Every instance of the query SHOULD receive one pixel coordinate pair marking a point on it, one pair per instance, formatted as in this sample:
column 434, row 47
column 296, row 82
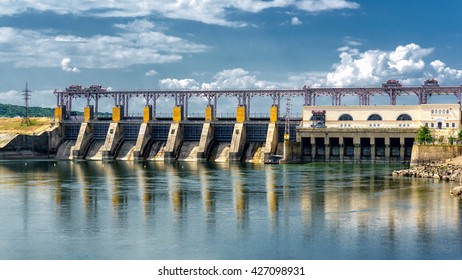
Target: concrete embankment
column 40, row 145
column 422, row 154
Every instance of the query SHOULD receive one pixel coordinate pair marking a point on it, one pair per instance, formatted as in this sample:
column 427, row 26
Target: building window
column 374, row 117
column 404, row 117
column 345, row 117
column 426, row 124
column 432, row 125
column 433, row 112
column 447, row 111
column 453, row 124
column 447, row 124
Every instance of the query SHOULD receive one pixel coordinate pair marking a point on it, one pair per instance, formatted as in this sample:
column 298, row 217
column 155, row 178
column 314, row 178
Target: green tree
column 424, row 135
column 459, row 136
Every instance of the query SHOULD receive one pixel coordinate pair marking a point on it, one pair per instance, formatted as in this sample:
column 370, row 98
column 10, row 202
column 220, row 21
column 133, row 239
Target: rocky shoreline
column 437, row 171
column 442, row 171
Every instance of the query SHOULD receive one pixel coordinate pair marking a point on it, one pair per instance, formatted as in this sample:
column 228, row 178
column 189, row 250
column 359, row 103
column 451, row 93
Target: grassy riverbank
column 10, row 127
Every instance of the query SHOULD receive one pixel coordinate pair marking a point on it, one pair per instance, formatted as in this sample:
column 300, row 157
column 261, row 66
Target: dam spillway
column 218, row 136
column 213, row 141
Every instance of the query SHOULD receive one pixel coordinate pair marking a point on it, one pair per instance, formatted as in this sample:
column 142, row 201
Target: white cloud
column 172, row 84
column 355, row 68
column 137, row 42
column 408, row 59
column 11, row 97
column 66, row 65
column 312, row 79
column 151, row 73
column 206, row 11
column 324, row 5
column 374, row 66
column 237, row 78
column 445, row 73
column 295, row 21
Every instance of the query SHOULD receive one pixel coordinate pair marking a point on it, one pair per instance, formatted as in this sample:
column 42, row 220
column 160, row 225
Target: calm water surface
column 146, row 210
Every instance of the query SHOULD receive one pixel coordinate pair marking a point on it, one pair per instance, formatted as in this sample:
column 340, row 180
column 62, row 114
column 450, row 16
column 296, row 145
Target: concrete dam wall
column 218, row 141
column 164, row 141
column 42, row 145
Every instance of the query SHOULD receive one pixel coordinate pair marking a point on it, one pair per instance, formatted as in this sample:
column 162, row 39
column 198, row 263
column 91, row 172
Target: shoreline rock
column 457, row 192
column 437, row 171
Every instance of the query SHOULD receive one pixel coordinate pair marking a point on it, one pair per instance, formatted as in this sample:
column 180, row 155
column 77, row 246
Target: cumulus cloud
column 374, row 66
column 66, row 65
column 295, row 21
column 137, row 42
column 206, row 11
column 445, row 73
column 237, row 78
column 355, row 68
column 172, row 84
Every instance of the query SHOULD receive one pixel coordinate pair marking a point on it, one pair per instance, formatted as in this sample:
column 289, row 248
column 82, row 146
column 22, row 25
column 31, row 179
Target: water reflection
column 271, row 194
column 208, row 194
column 145, row 189
column 176, row 193
column 331, row 211
column 240, row 195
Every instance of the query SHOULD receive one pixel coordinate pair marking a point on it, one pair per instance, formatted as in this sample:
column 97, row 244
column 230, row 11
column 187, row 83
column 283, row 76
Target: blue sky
column 201, row 44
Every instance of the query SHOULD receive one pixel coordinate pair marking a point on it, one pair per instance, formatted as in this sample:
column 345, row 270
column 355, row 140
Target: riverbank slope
column 11, row 127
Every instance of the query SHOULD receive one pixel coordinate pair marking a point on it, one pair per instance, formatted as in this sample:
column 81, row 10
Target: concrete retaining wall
column 432, row 153
column 42, row 145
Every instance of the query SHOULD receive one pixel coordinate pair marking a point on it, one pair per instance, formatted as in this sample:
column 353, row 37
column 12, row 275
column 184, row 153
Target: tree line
column 11, row 111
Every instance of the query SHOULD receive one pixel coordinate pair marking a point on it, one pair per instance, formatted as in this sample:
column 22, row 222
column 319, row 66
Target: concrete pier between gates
column 174, row 141
column 237, row 142
column 205, row 142
column 84, row 140
column 144, row 135
column 271, row 141
column 113, row 140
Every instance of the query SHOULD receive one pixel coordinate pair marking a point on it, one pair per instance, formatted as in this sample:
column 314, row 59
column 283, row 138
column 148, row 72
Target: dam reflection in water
column 155, row 210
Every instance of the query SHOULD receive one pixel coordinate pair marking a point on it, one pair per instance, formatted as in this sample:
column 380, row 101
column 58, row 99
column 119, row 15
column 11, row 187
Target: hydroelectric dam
column 359, row 133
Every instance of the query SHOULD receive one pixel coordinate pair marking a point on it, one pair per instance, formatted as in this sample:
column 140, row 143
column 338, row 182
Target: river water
column 149, row 210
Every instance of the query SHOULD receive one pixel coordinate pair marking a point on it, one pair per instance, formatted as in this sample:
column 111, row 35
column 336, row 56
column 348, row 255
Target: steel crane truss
column 392, row 88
